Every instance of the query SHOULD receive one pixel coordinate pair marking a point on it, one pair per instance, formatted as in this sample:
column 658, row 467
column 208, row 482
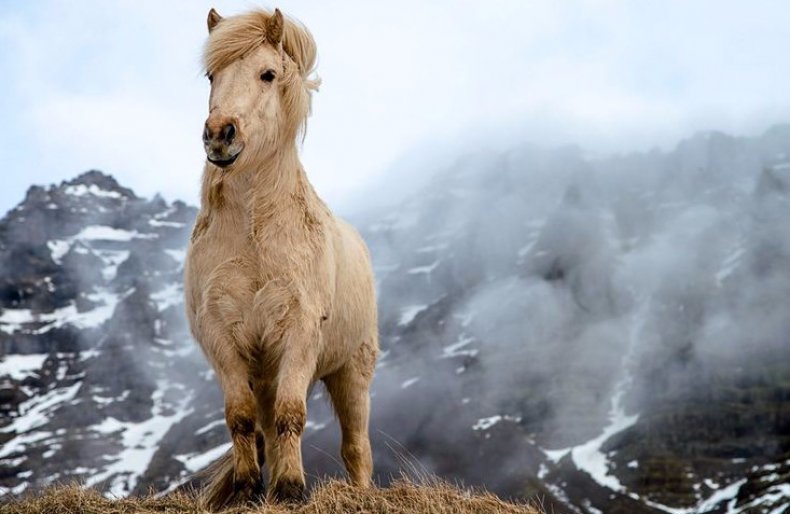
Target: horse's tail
column 218, row 489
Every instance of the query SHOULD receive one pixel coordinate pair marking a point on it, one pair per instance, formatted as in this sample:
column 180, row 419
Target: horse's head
column 258, row 65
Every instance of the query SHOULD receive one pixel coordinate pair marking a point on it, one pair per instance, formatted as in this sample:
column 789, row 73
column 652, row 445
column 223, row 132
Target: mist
column 553, row 288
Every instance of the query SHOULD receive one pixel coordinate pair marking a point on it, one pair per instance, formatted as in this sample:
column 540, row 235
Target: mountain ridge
column 526, row 348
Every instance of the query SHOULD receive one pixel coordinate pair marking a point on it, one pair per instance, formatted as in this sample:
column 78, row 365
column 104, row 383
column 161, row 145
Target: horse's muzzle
column 222, row 163
column 220, row 141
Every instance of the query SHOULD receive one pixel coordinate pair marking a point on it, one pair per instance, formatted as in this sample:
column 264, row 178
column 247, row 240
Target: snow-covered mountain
column 608, row 334
column 91, row 330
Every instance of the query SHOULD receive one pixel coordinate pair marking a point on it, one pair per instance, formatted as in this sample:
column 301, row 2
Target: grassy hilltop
column 333, row 497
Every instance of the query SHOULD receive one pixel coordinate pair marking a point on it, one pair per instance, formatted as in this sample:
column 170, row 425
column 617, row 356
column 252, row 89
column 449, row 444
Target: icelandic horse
column 279, row 291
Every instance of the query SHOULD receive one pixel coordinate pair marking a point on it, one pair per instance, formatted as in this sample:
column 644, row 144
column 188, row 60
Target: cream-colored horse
column 279, row 292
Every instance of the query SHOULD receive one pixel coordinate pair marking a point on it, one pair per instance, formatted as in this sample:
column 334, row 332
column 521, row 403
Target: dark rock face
column 606, row 335
column 90, row 274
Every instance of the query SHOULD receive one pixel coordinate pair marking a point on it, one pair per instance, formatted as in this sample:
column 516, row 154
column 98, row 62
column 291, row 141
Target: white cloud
column 117, row 85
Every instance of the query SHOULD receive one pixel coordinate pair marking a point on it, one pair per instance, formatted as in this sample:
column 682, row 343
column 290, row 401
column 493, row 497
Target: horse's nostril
column 228, row 133
column 206, row 134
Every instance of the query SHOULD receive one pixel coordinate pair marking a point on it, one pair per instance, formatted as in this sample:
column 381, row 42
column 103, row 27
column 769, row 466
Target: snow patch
column 35, row 413
column 556, row 455
column 14, row 320
column 159, row 223
column 112, row 259
column 140, row 441
column 408, row 313
column 210, row 426
column 92, row 190
column 423, row 270
column 58, row 249
column 432, row 248
column 18, row 445
column 457, row 349
column 729, row 264
column 105, row 233
column 486, row 423
column 194, row 462
column 409, row 382
column 19, row 367
column 590, row 458
column 178, row 255
column 172, row 294
column 728, row 493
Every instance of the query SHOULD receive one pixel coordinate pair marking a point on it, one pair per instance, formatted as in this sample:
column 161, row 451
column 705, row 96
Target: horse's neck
column 281, row 199
column 275, row 181
column 268, row 200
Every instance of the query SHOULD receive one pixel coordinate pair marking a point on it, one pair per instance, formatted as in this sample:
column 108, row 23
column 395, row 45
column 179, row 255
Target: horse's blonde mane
column 236, row 36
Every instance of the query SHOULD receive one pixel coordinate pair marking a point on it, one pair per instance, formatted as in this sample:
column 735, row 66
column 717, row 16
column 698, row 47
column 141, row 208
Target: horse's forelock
column 236, row 36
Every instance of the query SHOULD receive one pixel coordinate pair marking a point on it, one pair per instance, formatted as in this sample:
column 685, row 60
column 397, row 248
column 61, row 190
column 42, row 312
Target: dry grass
column 330, row 498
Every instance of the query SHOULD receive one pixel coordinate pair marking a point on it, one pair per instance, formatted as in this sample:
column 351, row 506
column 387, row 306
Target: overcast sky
column 117, row 85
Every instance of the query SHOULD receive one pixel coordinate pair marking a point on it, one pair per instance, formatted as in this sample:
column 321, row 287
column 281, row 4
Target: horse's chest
column 215, row 250
column 208, row 253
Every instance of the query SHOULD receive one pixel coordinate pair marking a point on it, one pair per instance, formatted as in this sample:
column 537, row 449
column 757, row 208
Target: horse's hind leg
column 349, row 390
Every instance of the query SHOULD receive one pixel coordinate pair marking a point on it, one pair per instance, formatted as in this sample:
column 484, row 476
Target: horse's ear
column 274, row 28
column 213, row 19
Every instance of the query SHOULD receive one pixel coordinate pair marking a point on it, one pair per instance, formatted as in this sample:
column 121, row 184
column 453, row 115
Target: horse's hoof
column 258, row 492
column 246, row 491
column 288, row 491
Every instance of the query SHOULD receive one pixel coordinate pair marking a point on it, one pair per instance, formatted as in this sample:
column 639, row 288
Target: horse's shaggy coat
column 279, row 292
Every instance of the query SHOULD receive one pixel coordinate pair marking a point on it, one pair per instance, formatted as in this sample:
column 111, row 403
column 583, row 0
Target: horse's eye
column 267, row 76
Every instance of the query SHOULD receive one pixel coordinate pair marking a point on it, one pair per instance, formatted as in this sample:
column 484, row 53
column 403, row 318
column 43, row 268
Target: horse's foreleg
column 226, row 340
column 294, row 376
column 240, row 416
column 243, row 481
column 348, row 388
